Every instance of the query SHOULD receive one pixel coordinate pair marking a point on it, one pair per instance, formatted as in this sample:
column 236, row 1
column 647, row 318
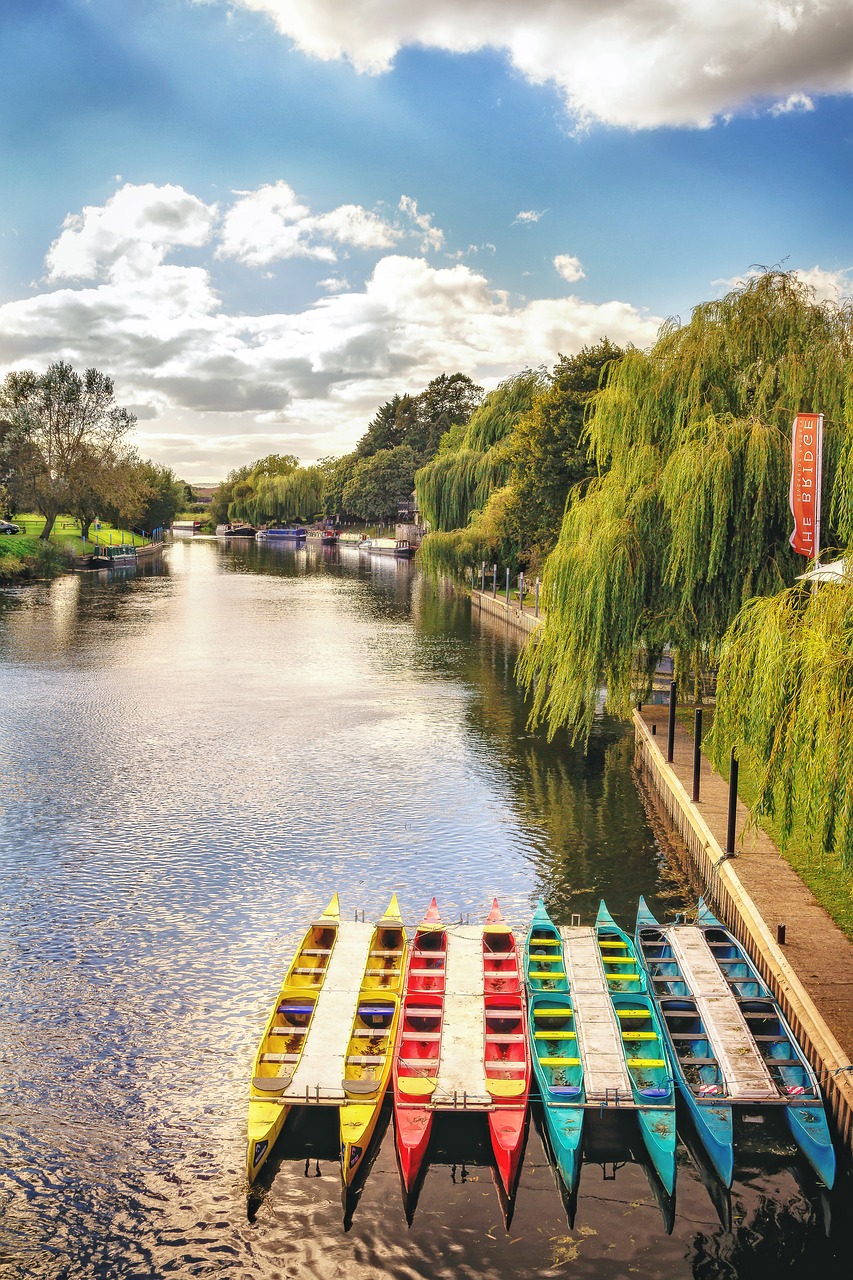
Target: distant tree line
column 64, row 450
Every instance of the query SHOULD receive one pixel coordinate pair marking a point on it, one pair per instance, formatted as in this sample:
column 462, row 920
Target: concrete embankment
column 753, row 893
column 512, row 614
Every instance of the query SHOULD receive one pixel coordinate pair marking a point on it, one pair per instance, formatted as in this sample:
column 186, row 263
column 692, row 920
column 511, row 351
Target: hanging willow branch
column 691, row 519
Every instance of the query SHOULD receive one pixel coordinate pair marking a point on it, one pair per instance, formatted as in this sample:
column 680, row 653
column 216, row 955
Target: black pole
column 697, row 751
column 730, row 837
column 670, row 741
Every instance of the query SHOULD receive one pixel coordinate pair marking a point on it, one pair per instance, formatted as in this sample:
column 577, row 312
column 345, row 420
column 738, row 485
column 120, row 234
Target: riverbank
column 26, row 559
column 754, row 892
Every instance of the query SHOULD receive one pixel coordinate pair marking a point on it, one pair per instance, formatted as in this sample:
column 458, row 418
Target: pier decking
column 461, row 1073
column 599, row 1035
column 317, row 1079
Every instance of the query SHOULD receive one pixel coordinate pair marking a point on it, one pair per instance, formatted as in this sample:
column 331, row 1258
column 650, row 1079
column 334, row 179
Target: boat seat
column 699, row 1062
column 366, row 1059
column 370, row 1033
column 296, row 1008
column 280, row 1057
column 504, row 1039
column 639, row 1035
column 783, row 1062
column 557, row 1013
column 689, row 1035
column 361, row 1086
column 772, row 1039
column 491, row 1065
column 418, row 1062
column 646, row 1062
column 309, row 969
column 420, row 1035
column 623, row 977
column 374, row 1011
column 398, row 952
column 419, row 954
column 290, row 1031
column 618, row 946
column 560, row 1062
column 379, row 973
column 566, row 1090
column 271, row 1084
column 545, row 973
column 416, row 1086
column 555, row 1035
column 654, row 1093
column 422, row 1013
column 633, row 1013
column 317, row 951
column 427, row 973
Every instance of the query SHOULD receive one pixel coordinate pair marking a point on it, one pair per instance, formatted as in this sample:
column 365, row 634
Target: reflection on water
column 194, row 756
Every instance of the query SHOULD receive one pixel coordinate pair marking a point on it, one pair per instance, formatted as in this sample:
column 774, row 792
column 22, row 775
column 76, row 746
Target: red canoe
column 419, row 1043
column 507, row 1052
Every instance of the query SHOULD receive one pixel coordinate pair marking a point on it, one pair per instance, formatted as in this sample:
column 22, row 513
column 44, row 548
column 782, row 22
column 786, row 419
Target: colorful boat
column 506, row 1062
column 558, row 1069
column 698, row 1070
column 418, row 1049
column 373, row 1033
column 285, row 1034
column 788, row 1066
column 297, row 534
column 643, row 1045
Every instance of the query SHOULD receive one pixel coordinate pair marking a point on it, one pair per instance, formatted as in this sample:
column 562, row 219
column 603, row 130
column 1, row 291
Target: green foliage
column 279, row 491
column 26, row 558
column 470, row 466
column 166, row 495
column 378, row 483
column 420, row 421
column 487, row 536
column 785, row 702
column 549, row 453
column 691, row 518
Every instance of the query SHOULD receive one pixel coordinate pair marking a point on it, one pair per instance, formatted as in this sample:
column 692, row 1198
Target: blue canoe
column 697, row 1069
column 553, row 1038
column 643, row 1045
column 785, row 1060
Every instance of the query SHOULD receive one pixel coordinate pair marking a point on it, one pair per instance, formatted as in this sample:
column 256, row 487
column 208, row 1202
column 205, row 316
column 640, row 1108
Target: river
column 193, row 757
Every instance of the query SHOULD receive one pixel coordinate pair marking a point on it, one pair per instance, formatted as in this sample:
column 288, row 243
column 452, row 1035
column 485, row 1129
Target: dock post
column 483, row 576
column 494, row 582
column 670, row 741
column 536, row 614
column 521, row 592
column 507, row 587
column 730, row 835
column 697, row 752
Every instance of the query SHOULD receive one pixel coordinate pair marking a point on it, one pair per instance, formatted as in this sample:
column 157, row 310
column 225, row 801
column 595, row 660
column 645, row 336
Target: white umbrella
column 834, row 571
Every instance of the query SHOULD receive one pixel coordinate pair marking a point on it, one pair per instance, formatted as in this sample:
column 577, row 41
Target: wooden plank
column 321, row 1067
column 741, row 1063
column 461, row 1074
column 599, row 1033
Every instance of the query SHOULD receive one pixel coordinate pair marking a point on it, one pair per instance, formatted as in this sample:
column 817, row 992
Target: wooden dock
column 599, row 1035
column 461, row 1071
column 317, row 1080
column 744, row 1070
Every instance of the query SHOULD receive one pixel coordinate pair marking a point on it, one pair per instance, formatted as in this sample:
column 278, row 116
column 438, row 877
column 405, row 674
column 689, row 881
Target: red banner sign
column 806, row 454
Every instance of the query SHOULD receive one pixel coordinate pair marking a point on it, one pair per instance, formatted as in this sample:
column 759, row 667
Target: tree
column 66, row 432
column 379, row 483
column 691, row 518
column 548, row 452
column 164, row 496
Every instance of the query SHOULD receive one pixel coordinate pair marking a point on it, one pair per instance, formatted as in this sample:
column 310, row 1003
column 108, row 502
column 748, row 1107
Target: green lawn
column 66, row 534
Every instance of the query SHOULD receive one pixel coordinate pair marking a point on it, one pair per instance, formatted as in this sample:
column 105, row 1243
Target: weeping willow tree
column 785, row 702
column 473, row 462
column 691, row 518
column 296, row 494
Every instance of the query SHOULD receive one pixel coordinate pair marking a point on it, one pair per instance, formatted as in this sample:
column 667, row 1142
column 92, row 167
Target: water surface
column 193, row 758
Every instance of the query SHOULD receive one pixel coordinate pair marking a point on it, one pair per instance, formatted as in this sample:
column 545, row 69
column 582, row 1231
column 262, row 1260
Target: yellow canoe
column 285, row 1034
column 374, row 1031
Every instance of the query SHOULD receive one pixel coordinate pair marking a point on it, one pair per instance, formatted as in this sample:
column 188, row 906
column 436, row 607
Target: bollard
column 521, row 592
column 730, row 835
column 697, row 752
column 654, row 731
column 507, row 586
column 483, row 576
column 780, row 934
column 670, row 741
column 494, row 582
column 537, row 598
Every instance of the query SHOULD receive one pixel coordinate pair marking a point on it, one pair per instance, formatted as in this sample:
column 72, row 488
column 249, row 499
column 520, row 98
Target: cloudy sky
column 265, row 217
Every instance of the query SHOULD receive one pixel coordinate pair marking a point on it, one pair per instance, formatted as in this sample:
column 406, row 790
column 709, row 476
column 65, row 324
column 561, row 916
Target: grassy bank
column 23, row 559
column 829, row 881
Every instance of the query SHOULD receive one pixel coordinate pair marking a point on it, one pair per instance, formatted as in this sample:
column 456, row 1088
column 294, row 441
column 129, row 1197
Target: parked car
column 6, row 526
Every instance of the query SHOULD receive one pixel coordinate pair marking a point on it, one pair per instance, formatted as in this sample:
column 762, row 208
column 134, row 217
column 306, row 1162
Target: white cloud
column 569, row 268
column 826, row 286
column 214, row 386
column 527, row 216
column 138, row 224
column 432, row 237
column 793, row 102
column 634, row 63
column 272, row 224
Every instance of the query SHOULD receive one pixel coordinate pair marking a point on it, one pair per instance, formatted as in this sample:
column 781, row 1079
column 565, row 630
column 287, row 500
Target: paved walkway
column 820, row 954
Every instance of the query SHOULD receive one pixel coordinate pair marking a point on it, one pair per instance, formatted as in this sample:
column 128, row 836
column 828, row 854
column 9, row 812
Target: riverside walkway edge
column 496, row 606
column 723, row 887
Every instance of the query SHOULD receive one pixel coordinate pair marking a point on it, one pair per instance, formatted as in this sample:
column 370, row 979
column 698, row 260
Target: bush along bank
column 25, row 559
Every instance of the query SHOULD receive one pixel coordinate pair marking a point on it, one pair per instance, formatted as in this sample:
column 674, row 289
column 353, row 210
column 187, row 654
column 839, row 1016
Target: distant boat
column 281, row 535
column 235, row 531
column 329, row 537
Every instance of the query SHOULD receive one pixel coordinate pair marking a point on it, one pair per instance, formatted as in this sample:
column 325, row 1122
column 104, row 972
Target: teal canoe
column 553, row 1040
column 788, row 1066
column 697, row 1070
column 643, row 1045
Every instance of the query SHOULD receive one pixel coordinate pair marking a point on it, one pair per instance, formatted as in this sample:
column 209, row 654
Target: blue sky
column 265, row 217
